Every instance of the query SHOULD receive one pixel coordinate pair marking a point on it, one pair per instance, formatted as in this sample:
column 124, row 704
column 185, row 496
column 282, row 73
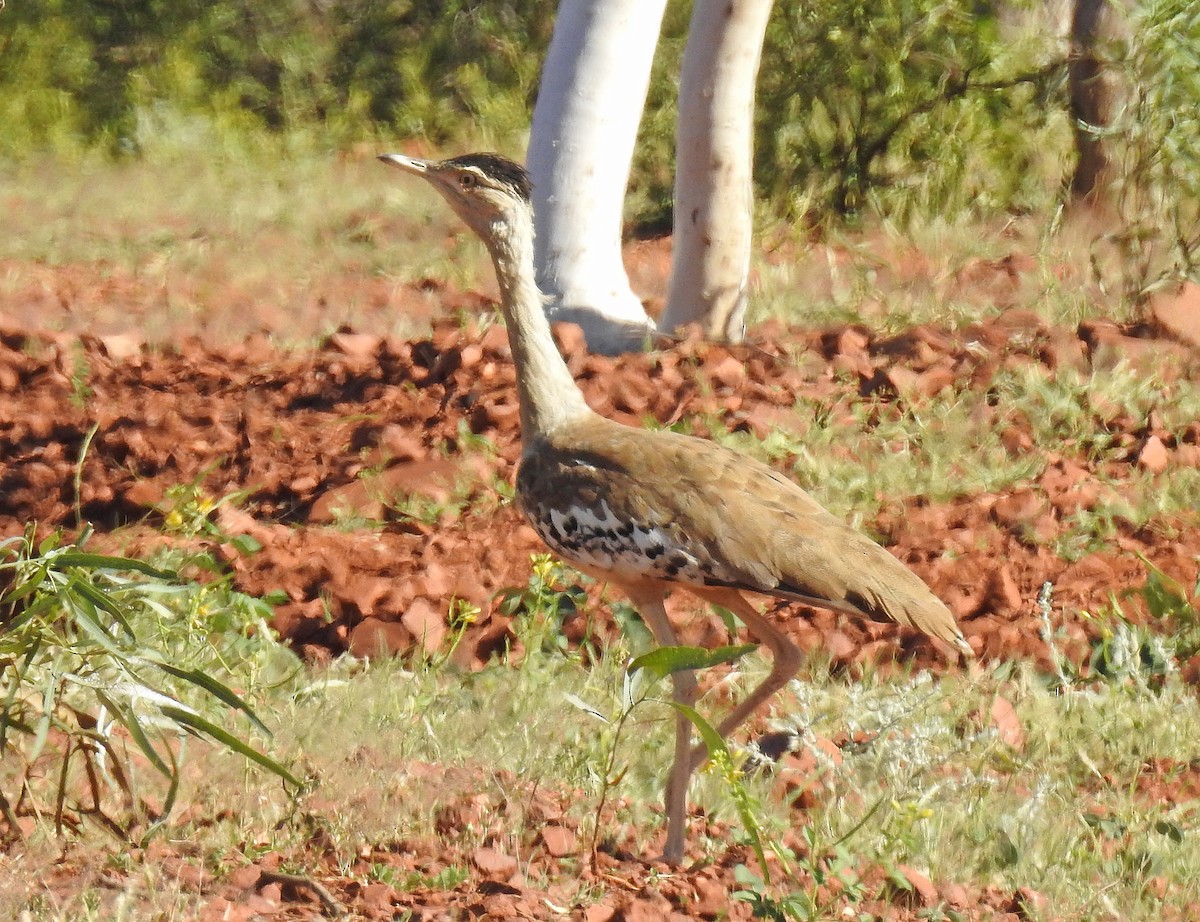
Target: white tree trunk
column 590, row 101
column 713, row 167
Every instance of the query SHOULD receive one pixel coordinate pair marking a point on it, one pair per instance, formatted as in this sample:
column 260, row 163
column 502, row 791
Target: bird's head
column 485, row 190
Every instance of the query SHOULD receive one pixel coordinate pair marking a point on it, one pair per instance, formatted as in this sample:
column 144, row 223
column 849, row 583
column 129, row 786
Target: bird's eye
column 467, row 180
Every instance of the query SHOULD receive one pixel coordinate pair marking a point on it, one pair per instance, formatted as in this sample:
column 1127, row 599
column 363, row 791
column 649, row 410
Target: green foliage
column 543, row 604
column 897, row 101
column 76, row 73
column 905, row 107
column 105, row 664
column 1156, row 145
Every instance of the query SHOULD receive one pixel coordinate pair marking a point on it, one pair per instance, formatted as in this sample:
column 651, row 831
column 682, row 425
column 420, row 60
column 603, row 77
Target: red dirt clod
column 373, row 638
column 559, row 840
column 1178, row 312
column 923, row 892
column 493, row 863
column 1008, row 725
column 1154, row 456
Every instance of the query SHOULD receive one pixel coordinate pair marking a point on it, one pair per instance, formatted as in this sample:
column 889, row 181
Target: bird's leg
column 785, row 663
column 649, row 602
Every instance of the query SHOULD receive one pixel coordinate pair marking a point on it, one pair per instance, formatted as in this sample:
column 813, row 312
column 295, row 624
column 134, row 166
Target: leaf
column 130, row 722
column 584, row 706
column 85, row 617
column 1007, row 853
column 1171, row 830
column 246, row 544
column 664, row 661
column 105, row 562
column 728, row 618
column 217, row 690
column 102, row 601
column 224, row 737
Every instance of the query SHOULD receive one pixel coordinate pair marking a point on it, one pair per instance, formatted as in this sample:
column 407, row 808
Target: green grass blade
column 130, row 722
column 101, row 600
column 663, row 661
column 217, row 690
column 85, row 618
column 227, row 739
column 105, row 562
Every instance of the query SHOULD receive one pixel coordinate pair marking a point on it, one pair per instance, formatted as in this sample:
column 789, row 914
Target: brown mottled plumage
column 652, row 510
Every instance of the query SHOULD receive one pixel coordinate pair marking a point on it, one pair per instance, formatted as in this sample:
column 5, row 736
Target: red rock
column 493, row 862
column 245, row 877
column 600, row 912
column 1178, row 311
column 1004, row 595
column 839, row 645
column 903, row 379
column 1007, row 723
column 359, row 345
column 957, row 895
column 712, row 898
column 728, row 372
column 1064, row 350
column 373, row 638
column 123, row 346
column 935, row 380
column 652, row 907
column 426, row 623
column 144, row 493
column 378, row 895
column 559, row 840
column 1019, row 508
column 924, row 893
column 1154, row 455
column 1029, row 904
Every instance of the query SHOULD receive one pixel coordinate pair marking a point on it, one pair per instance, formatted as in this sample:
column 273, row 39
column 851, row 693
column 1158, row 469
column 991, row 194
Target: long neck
column 549, row 396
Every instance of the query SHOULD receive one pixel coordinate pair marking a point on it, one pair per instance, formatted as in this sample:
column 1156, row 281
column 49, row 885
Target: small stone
column 1007, row 723
column 1178, row 312
column 1029, row 904
column 358, row 345
column 493, row 862
column 244, row 878
column 559, row 840
column 839, row 646
column 600, row 912
column 1154, row 455
column 924, row 893
column 372, row 638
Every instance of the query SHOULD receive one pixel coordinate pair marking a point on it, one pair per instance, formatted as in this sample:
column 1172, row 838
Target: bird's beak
column 408, row 164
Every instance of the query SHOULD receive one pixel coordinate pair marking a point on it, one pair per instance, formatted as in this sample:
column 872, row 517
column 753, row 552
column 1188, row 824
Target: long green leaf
column 104, row 562
column 217, row 690
column 663, row 661
column 129, row 721
column 227, row 739
column 168, row 804
column 8, row 716
column 85, row 617
column 102, row 600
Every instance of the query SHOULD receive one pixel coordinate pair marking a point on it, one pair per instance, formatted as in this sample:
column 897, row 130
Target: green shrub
column 106, row 664
column 1156, row 145
column 896, row 101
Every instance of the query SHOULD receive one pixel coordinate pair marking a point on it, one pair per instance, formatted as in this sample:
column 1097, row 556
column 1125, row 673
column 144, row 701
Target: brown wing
column 664, row 505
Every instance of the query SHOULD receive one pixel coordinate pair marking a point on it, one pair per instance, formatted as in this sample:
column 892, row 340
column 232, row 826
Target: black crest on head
column 498, row 167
